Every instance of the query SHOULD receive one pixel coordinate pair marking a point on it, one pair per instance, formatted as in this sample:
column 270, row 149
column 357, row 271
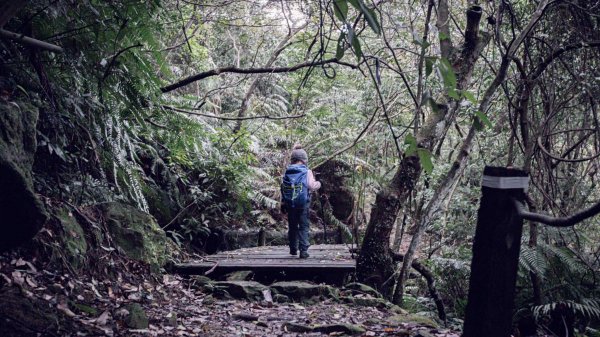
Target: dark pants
column 298, row 229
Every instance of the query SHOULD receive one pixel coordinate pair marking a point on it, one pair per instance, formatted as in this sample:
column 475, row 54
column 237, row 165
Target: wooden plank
column 274, row 258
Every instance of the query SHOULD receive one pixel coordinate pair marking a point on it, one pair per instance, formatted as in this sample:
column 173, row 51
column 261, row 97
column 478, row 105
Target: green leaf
column 370, row 14
column 371, row 17
column 339, row 51
column 411, row 141
column 443, row 36
column 453, row 93
column 481, row 120
column 356, row 47
column 429, row 65
column 425, row 159
column 340, row 8
column 418, row 41
column 469, row 96
column 448, row 75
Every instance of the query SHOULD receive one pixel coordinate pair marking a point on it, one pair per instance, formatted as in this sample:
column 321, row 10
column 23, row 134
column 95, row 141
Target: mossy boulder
column 303, row 291
column 360, row 288
column 136, row 319
column 136, row 233
column 248, row 290
column 21, row 212
column 72, row 238
column 409, row 318
column 342, row 328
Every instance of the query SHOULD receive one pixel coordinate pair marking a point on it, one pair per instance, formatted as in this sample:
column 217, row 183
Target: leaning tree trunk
column 374, row 264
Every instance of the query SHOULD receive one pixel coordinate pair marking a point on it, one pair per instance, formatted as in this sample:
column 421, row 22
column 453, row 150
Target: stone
column 360, row 288
column 249, row 290
column 280, row 298
column 400, row 319
column 296, row 327
column 347, row 329
column 21, row 212
column 136, row 233
column 369, row 302
column 423, row 333
column 136, row 319
column 302, row 291
column 72, row 238
column 172, row 319
column 241, row 275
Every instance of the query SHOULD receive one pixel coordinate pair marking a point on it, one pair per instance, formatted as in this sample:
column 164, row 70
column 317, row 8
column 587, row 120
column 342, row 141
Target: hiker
column 297, row 183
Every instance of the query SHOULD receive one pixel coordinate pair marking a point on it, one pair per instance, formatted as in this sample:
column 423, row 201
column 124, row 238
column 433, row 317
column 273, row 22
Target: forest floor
column 136, row 302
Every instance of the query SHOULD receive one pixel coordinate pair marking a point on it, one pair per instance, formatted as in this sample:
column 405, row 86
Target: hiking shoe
column 293, row 252
column 304, row 255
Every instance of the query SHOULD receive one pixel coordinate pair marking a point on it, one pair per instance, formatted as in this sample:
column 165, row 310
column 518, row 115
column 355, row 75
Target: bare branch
column 228, row 118
column 567, row 221
column 236, row 70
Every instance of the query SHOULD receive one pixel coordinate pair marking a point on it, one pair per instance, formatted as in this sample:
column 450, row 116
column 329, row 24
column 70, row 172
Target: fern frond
column 263, row 200
column 531, row 260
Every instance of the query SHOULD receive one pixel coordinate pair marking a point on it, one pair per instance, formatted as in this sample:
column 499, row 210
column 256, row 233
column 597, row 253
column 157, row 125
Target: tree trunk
column 374, row 265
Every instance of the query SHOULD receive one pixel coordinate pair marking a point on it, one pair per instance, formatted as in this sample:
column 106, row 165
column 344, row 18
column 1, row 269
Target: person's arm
column 313, row 185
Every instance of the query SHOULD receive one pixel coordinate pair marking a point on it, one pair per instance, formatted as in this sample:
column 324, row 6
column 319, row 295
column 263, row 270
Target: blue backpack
column 294, row 188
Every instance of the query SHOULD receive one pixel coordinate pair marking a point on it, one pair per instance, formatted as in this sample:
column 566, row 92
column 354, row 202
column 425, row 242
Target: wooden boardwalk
column 323, row 258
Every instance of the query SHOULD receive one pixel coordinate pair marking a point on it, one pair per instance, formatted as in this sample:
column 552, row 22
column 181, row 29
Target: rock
column 136, row 233
column 280, row 298
column 136, row 319
column 21, row 309
column 348, row 329
column 72, row 239
column 302, row 291
column 172, row 319
column 244, row 316
column 423, row 333
column 202, row 283
column 21, row 212
column 249, row 290
column 296, row 327
column 241, row 275
column 368, row 302
column 360, row 288
column 408, row 318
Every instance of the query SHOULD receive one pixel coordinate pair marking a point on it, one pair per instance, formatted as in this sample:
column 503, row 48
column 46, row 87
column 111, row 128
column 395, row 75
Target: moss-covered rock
column 136, row 319
column 249, row 290
column 303, row 291
column 240, row 275
column 136, row 233
column 344, row 328
column 360, row 288
column 72, row 238
column 21, row 212
column 409, row 318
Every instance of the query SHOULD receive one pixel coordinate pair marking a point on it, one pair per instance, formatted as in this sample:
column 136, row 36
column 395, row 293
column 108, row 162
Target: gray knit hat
column 298, row 154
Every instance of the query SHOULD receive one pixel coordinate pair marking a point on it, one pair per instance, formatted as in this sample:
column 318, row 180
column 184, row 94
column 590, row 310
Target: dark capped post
column 495, row 253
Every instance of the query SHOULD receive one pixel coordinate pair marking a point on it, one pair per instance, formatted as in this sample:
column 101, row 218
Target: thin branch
column 566, row 221
column 218, row 71
column 228, row 118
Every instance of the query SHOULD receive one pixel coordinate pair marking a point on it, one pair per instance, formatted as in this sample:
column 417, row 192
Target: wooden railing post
column 495, row 254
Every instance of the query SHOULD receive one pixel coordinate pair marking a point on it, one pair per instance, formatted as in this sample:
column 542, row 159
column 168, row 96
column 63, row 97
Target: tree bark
column 373, row 265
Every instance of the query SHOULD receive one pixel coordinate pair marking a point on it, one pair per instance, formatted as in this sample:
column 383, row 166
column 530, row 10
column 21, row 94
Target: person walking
column 298, row 182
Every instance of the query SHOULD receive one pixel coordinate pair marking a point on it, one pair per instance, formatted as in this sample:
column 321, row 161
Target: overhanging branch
column 235, row 70
column 567, row 221
column 228, row 118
